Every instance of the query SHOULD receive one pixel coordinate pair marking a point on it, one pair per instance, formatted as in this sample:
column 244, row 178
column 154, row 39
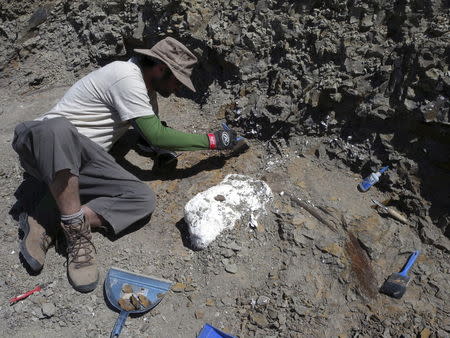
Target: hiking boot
column 35, row 243
column 82, row 269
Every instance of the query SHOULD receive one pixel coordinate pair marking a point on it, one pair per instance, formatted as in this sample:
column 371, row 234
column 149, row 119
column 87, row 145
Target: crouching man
column 67, row 149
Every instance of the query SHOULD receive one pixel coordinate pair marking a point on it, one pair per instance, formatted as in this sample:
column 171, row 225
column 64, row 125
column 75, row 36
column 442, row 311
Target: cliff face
column 370, row 77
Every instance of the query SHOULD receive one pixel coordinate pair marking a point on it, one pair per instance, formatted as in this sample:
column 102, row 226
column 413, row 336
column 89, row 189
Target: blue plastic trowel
column 129, row 292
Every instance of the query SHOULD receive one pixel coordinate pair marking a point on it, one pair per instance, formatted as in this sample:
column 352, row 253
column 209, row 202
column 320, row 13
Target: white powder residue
column 210, row 212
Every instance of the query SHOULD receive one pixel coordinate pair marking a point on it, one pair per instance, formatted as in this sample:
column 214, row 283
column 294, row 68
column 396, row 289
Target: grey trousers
column 46, row 147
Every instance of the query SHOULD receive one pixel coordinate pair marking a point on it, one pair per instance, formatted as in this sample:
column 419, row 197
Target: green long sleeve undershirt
column 160, row 136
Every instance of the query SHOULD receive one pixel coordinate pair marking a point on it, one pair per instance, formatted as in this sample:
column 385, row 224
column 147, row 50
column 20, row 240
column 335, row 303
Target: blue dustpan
column 210, row 331
column 151, row 287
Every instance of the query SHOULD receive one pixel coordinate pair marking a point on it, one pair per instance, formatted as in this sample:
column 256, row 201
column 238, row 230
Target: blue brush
column 210, row 331
column 395, row 285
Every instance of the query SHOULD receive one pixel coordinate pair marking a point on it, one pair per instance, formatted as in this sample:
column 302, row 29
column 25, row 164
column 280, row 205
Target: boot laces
column 79, row 244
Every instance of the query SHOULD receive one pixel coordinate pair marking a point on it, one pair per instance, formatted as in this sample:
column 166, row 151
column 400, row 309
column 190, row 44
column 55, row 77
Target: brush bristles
column 393, row 290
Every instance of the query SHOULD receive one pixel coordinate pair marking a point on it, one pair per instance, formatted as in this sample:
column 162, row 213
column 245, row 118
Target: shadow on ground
column 184, row 233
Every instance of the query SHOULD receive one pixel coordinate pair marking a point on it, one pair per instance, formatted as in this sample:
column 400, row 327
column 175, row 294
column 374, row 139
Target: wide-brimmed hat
column 176, row 56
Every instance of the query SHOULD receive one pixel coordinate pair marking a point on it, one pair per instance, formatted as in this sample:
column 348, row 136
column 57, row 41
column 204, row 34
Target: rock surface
column 325, row 93
column 349, row 72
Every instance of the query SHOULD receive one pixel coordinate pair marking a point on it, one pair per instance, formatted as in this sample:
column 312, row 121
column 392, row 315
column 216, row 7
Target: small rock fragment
column 178, row 287
column 231, row 268
column 48, row 309
column 273, row 275
column 262, row 300
column 199, row 314
column 259, row 319
column 210, row 302
column 228, row 301
column 234, row 246
column 38, row 300
column 126, row 305
column 425, row 333
column 19, row 307
column 273, row 314
column 282, row 318
column 126, row 288
column 145, row 302
column 126, row 295
column 135, row 302
column 301, row 309
column 189, row 288
column 227, row 253
column 220, row 198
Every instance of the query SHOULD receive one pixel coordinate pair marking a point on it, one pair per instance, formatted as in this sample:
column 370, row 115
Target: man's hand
column 222, row 139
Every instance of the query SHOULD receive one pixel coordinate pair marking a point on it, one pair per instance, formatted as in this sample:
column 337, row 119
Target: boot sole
column 25, row 227
column 83, row 288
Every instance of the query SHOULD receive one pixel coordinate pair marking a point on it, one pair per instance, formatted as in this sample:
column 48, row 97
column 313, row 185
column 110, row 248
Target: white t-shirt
column 102, row 103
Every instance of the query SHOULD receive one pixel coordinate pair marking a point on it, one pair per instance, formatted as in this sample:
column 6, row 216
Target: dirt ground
column 295, row 277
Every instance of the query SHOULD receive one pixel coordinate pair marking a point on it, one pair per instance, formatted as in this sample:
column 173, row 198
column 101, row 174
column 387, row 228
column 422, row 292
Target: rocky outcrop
column 370, row 77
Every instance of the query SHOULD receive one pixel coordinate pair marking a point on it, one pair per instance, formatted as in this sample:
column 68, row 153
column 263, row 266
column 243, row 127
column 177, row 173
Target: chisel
column 394, row 214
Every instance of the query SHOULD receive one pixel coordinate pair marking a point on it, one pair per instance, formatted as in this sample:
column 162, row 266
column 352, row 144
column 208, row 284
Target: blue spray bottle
column 371, row 180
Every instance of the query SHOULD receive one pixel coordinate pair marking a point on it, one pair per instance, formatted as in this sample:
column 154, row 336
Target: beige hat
column 176, row 56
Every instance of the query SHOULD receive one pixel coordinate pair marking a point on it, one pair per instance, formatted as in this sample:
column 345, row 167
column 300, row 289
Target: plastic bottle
column 371, row 179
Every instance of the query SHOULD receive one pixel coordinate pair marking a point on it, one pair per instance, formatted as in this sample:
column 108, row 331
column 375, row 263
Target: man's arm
column 151, row 128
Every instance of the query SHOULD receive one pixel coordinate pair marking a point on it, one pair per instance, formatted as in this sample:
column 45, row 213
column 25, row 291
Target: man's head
column 167, row 66
column 159, row 77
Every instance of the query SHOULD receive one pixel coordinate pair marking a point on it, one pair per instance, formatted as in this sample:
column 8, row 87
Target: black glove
column 165, row 161
column 222, row 139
